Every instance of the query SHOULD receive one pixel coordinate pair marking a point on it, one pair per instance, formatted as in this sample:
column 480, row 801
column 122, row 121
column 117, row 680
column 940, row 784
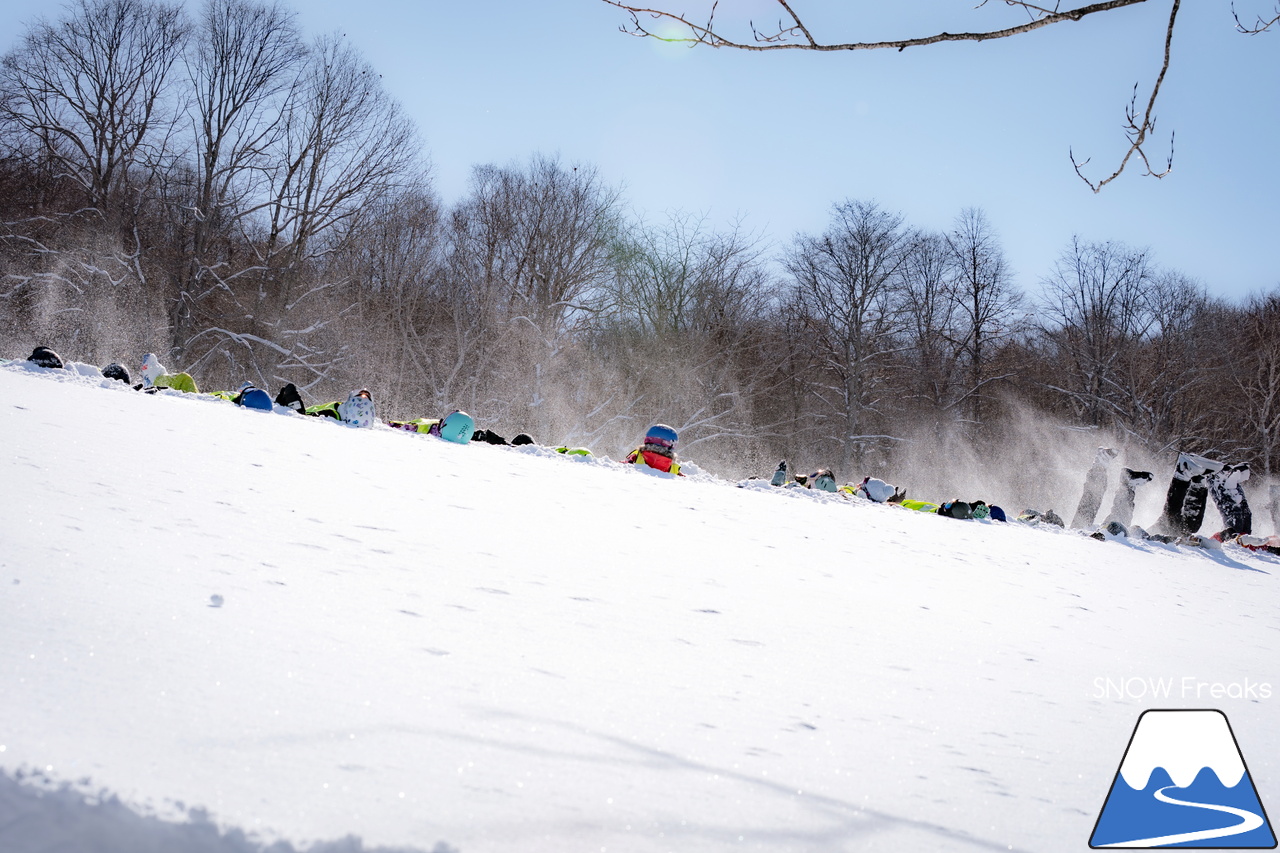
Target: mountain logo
column 1183, row 783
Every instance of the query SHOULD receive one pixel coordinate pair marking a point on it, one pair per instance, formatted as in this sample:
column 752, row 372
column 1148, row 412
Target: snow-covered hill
column 221, row 629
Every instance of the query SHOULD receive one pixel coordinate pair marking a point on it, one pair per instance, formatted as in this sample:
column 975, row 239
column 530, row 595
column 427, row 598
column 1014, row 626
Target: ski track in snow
column 501, row 649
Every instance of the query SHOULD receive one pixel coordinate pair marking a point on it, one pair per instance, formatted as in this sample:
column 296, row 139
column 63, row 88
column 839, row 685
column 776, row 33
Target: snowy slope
column 306, row 632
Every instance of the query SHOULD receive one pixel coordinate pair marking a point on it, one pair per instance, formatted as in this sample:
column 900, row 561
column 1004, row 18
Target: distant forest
column 252, row 205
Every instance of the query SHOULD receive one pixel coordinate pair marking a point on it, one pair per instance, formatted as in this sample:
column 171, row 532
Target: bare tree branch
column 1137, row 133
column 792, row 33
column 1259, row 26
column 708, row 35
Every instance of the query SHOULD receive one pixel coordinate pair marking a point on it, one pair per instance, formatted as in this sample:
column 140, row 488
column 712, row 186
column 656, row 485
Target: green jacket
column 177, row 382
column 328, row 410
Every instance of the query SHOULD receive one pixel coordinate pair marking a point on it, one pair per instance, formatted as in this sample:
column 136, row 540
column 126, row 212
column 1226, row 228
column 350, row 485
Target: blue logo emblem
column 1183, row 783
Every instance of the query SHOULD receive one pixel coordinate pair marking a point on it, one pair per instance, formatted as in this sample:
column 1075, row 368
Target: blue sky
column 777, row 138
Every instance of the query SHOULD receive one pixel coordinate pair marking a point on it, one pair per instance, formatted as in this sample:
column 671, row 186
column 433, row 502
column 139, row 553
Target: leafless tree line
column 253, row 206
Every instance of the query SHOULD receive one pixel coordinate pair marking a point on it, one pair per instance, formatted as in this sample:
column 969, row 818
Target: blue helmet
column 661, row 435
column 457, row 427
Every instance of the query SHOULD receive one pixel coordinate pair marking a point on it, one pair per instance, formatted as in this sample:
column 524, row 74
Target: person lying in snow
column 875, row 489
column 356, row 410
column 1126, row 496
column 822, row 479
column 658, row 450
column 250, row 396
column 154, row 376
column 879, row 491
column 118, row 372
column 566, row 450
column 457, row 426
column 50, row 360
column 291, row 398
column 44, row 357
column 1035, row 516
column 1195, row 479
column 1095, row 484
column 488, row 436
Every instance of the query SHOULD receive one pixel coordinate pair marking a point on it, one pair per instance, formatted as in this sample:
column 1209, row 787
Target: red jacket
column 657, row 461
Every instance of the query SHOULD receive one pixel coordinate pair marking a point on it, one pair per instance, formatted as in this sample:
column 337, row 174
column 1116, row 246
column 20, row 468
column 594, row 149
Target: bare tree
column 243, row 69
column 88, row 110
column 1164, row 384
column 1260, row 23
column 532, row 243
column 541, row 234
column 685, row 301
column 414, row 350
column 344, row 144
column 792, row 33
column 682, row 277
column 930, row 325
column 91, row 89
column 1255, row 377
column 849, row 280
column 986, row 302
column 1096, row 312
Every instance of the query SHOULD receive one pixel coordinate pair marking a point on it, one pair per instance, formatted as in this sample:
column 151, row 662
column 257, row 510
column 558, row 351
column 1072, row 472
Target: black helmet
column 45, row 357
column 117, row 371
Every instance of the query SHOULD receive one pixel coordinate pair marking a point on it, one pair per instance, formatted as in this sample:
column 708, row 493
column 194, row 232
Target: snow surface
column 222, row 629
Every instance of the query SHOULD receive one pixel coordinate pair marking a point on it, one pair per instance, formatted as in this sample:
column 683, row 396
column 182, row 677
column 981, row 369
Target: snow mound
column 36, row 817
column 248, row 630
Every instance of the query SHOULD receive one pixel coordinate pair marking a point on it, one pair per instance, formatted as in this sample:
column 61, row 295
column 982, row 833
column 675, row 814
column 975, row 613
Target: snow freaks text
column 1186, row 687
